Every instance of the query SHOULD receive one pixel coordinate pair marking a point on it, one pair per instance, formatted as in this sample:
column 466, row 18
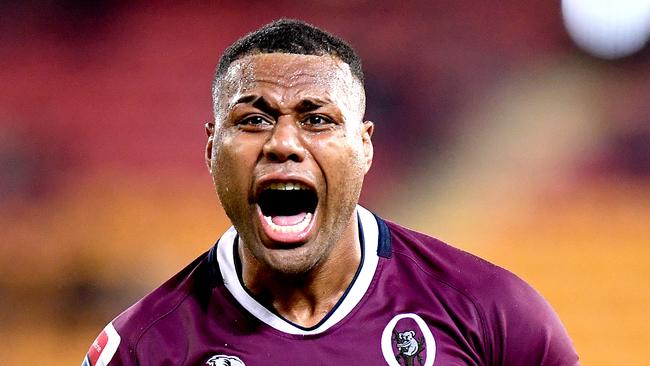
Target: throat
column 305, row 300
column 306, row 313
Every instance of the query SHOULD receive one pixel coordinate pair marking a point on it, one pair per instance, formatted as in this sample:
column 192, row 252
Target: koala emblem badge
column 409, row 347
column 223, row 360
column 409, row 343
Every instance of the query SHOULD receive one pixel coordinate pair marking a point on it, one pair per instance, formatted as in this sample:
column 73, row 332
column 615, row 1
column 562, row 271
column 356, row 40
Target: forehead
column 291, row 74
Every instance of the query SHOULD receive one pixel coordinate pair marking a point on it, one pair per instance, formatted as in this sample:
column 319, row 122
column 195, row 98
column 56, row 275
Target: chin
column 295, row 261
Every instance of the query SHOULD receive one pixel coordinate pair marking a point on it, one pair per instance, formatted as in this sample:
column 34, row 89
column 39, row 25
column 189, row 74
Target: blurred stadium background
column 495, row 133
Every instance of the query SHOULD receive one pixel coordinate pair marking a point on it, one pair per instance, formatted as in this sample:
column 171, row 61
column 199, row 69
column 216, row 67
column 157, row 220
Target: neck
column 306, row 298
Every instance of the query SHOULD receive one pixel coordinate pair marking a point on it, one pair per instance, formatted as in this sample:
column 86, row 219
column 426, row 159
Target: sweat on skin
column 287, row 118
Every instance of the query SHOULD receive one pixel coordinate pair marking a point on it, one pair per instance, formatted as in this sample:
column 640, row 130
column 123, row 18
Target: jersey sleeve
column 524, row 330
column 108, row 350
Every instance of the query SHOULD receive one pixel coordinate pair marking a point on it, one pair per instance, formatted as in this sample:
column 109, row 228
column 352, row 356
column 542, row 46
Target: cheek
column 340, row 160
column 232, row 168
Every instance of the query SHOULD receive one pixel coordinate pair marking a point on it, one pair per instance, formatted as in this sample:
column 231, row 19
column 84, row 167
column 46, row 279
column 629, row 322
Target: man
column 306, row 276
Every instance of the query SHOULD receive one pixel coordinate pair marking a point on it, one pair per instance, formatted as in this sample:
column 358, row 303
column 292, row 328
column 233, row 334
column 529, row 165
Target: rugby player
column 306, row 276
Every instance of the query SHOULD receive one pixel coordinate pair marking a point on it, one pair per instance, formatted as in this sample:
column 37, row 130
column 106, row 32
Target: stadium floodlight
column 608, row 29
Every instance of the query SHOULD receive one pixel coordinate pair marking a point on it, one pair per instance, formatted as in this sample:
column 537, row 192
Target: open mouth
column 287, row 210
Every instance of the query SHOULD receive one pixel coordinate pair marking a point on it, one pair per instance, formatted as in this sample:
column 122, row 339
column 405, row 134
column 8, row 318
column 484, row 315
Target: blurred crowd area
column 494, row 132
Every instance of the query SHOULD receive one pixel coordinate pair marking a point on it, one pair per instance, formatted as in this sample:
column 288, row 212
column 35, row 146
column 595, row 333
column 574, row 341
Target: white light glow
column 608, row 28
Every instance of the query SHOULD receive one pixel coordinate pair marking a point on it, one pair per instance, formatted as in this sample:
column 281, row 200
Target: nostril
column 294, row 157
column 272, row 157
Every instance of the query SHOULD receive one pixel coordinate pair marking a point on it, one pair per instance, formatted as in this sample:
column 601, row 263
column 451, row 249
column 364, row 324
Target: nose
column 285, row 143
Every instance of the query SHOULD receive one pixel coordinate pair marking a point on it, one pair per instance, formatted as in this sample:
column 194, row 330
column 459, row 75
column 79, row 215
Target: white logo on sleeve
column 103, row 348
column 223, row 360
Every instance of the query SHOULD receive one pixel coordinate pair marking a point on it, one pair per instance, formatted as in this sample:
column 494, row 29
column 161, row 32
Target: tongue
column 288, row 220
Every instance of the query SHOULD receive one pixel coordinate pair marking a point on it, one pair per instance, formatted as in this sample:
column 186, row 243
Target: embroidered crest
column 409, row 347
column 224, row 360
column 408, row 341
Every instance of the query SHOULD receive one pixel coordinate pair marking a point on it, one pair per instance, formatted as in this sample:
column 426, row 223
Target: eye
column 317, row 120
column 255, row 122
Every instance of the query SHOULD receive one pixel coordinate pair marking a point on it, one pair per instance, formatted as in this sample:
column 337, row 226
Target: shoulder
column 120, row 338
column 471, row 275
column 164, row 300
column 185, row 286
column 474, row 279
column 519, row 325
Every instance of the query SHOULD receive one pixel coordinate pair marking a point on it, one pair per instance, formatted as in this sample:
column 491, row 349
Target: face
column 288, row 152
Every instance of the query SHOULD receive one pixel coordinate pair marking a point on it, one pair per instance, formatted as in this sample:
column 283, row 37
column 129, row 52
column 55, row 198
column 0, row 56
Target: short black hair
column 290, row 36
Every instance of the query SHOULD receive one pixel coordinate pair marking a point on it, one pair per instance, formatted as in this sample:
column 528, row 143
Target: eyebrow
column 305, row 105
column 308, row 105
column 246, row 99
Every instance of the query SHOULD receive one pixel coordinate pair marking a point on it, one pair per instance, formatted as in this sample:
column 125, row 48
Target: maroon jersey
column 413, row 301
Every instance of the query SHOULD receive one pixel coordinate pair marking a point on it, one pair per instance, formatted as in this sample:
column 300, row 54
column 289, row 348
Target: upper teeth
column 287, row 186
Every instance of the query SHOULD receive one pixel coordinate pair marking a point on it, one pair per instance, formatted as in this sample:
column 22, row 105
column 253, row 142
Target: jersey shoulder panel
column 133, row 324
column 458, row 269
column 519, row 325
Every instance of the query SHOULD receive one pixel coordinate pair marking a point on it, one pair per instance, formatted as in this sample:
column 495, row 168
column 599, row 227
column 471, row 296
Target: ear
column 209, row 131
column 368, row 129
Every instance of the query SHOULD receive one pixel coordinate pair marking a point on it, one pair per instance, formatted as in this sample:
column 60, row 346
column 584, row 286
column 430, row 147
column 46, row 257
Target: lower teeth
column 299, row 227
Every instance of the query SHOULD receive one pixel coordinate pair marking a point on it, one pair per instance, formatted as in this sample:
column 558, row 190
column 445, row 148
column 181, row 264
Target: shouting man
column 306, row 276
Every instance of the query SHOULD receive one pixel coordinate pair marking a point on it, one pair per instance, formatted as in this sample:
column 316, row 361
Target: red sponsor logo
column 97, row 347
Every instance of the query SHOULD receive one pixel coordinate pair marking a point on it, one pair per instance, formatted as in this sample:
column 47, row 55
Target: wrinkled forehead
column 286, row 77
